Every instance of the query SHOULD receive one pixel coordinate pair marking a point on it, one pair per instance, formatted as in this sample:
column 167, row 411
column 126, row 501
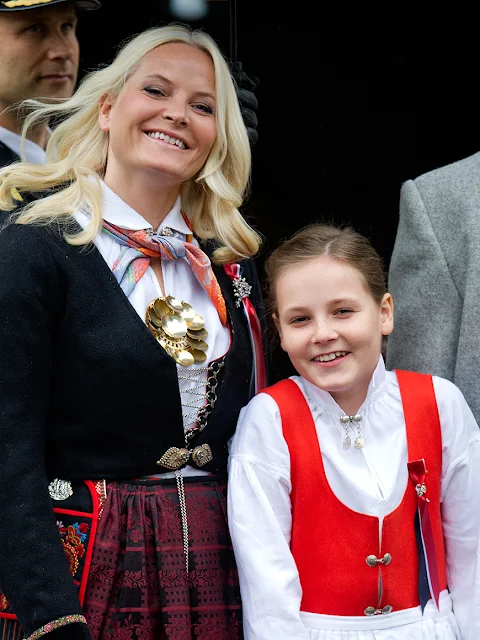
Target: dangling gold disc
column 154, row 319
column 199, row 334
column 184, row 358
column 187, row 313
column 174, row 304
column 160, row 307
column 174, row 325
column 201, row 345
column 197, row 322
column 199, row 356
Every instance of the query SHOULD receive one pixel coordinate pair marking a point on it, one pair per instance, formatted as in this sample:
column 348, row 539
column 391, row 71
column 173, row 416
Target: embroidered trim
column 23, row 3
column 73, row 537
column 56, row 624
column 101, row 489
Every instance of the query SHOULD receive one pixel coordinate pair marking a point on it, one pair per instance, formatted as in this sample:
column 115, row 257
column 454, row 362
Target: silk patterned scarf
column 140, row 247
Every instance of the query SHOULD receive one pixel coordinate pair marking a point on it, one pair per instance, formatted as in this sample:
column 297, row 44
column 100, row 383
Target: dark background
column 351, row 104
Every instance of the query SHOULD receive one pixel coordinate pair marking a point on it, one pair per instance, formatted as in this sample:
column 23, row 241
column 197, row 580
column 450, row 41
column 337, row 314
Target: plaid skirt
column 138, row 587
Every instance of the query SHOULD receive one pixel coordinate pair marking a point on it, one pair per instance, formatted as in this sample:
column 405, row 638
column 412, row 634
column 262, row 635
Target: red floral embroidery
column 101, row 573
column 203, row 518
column 213, row 628
column 120, row 631
column 178, row 631
column 145, row 631
column 136, row 535
column 3, row 603
column 172, row 578
column 207, row 577
column 132, row 579
column 232, row 578
column 73, row 537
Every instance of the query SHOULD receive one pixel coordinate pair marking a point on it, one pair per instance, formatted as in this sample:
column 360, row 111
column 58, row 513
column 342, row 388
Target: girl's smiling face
column 331, row 327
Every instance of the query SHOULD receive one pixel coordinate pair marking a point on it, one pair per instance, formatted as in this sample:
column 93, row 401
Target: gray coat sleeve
column 428, row 306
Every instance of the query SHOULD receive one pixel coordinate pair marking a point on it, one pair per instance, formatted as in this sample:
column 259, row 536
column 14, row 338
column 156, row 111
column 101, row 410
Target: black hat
column 21, row 5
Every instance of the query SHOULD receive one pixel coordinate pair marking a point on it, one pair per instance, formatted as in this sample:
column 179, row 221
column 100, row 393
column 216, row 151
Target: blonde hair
column 77, row 152
column 321, row 240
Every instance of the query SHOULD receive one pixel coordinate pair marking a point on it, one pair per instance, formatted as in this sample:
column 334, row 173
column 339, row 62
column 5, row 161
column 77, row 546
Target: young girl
column 354, row 502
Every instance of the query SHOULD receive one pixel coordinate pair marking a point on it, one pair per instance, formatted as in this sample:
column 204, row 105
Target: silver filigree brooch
column 241, row 289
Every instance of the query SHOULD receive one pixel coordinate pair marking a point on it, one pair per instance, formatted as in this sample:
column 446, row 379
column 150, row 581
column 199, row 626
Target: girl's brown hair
column 321, row 240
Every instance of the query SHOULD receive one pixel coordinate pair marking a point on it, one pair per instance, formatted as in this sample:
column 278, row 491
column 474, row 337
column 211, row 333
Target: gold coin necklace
column 178, row 330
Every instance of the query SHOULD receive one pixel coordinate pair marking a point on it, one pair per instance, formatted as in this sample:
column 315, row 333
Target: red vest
column 331, row 542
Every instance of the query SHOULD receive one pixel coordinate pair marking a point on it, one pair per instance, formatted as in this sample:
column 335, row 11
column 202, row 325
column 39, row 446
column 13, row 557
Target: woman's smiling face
column 163, row 120
column 331, row 326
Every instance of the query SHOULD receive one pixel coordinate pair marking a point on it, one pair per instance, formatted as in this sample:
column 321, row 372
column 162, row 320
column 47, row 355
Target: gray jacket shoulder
column 452, row 180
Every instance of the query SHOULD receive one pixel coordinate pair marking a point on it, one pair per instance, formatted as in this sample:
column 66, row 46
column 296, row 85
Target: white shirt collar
column 325, row 401
column 118, row 212
column 33, row 152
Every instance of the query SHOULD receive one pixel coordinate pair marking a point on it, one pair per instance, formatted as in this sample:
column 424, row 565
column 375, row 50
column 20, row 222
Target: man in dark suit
column 39, row 58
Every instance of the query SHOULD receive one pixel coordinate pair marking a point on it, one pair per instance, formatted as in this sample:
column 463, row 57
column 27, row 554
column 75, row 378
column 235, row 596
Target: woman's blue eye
column 204, row 107
column 154, row 91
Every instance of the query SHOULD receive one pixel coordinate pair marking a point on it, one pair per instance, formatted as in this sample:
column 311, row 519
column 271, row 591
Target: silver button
column 371, row 560
column 372, row 611
column 166, row 231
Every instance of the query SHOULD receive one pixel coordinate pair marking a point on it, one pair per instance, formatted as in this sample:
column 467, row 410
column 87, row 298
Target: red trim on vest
column 420, row 408
column 330, row 541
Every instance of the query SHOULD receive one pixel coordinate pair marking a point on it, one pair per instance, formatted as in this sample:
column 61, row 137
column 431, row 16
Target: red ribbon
column 418, row 473
column 233, row 272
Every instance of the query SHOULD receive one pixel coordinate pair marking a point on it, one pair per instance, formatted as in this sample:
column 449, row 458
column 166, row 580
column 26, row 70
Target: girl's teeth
column 330, row 356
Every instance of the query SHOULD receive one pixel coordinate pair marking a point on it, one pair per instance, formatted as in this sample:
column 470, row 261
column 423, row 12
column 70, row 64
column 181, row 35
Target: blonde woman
column 126, row 353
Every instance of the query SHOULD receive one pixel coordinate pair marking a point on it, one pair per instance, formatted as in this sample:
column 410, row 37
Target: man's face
column 39, row 53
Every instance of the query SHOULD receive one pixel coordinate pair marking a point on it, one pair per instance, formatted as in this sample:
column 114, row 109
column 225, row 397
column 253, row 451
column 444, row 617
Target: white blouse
column 371, row 480
column 180, row 282
column 31, row 150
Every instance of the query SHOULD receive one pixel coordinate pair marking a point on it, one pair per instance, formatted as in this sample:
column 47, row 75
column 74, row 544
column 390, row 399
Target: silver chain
column 212, row 371
column 183, row 513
